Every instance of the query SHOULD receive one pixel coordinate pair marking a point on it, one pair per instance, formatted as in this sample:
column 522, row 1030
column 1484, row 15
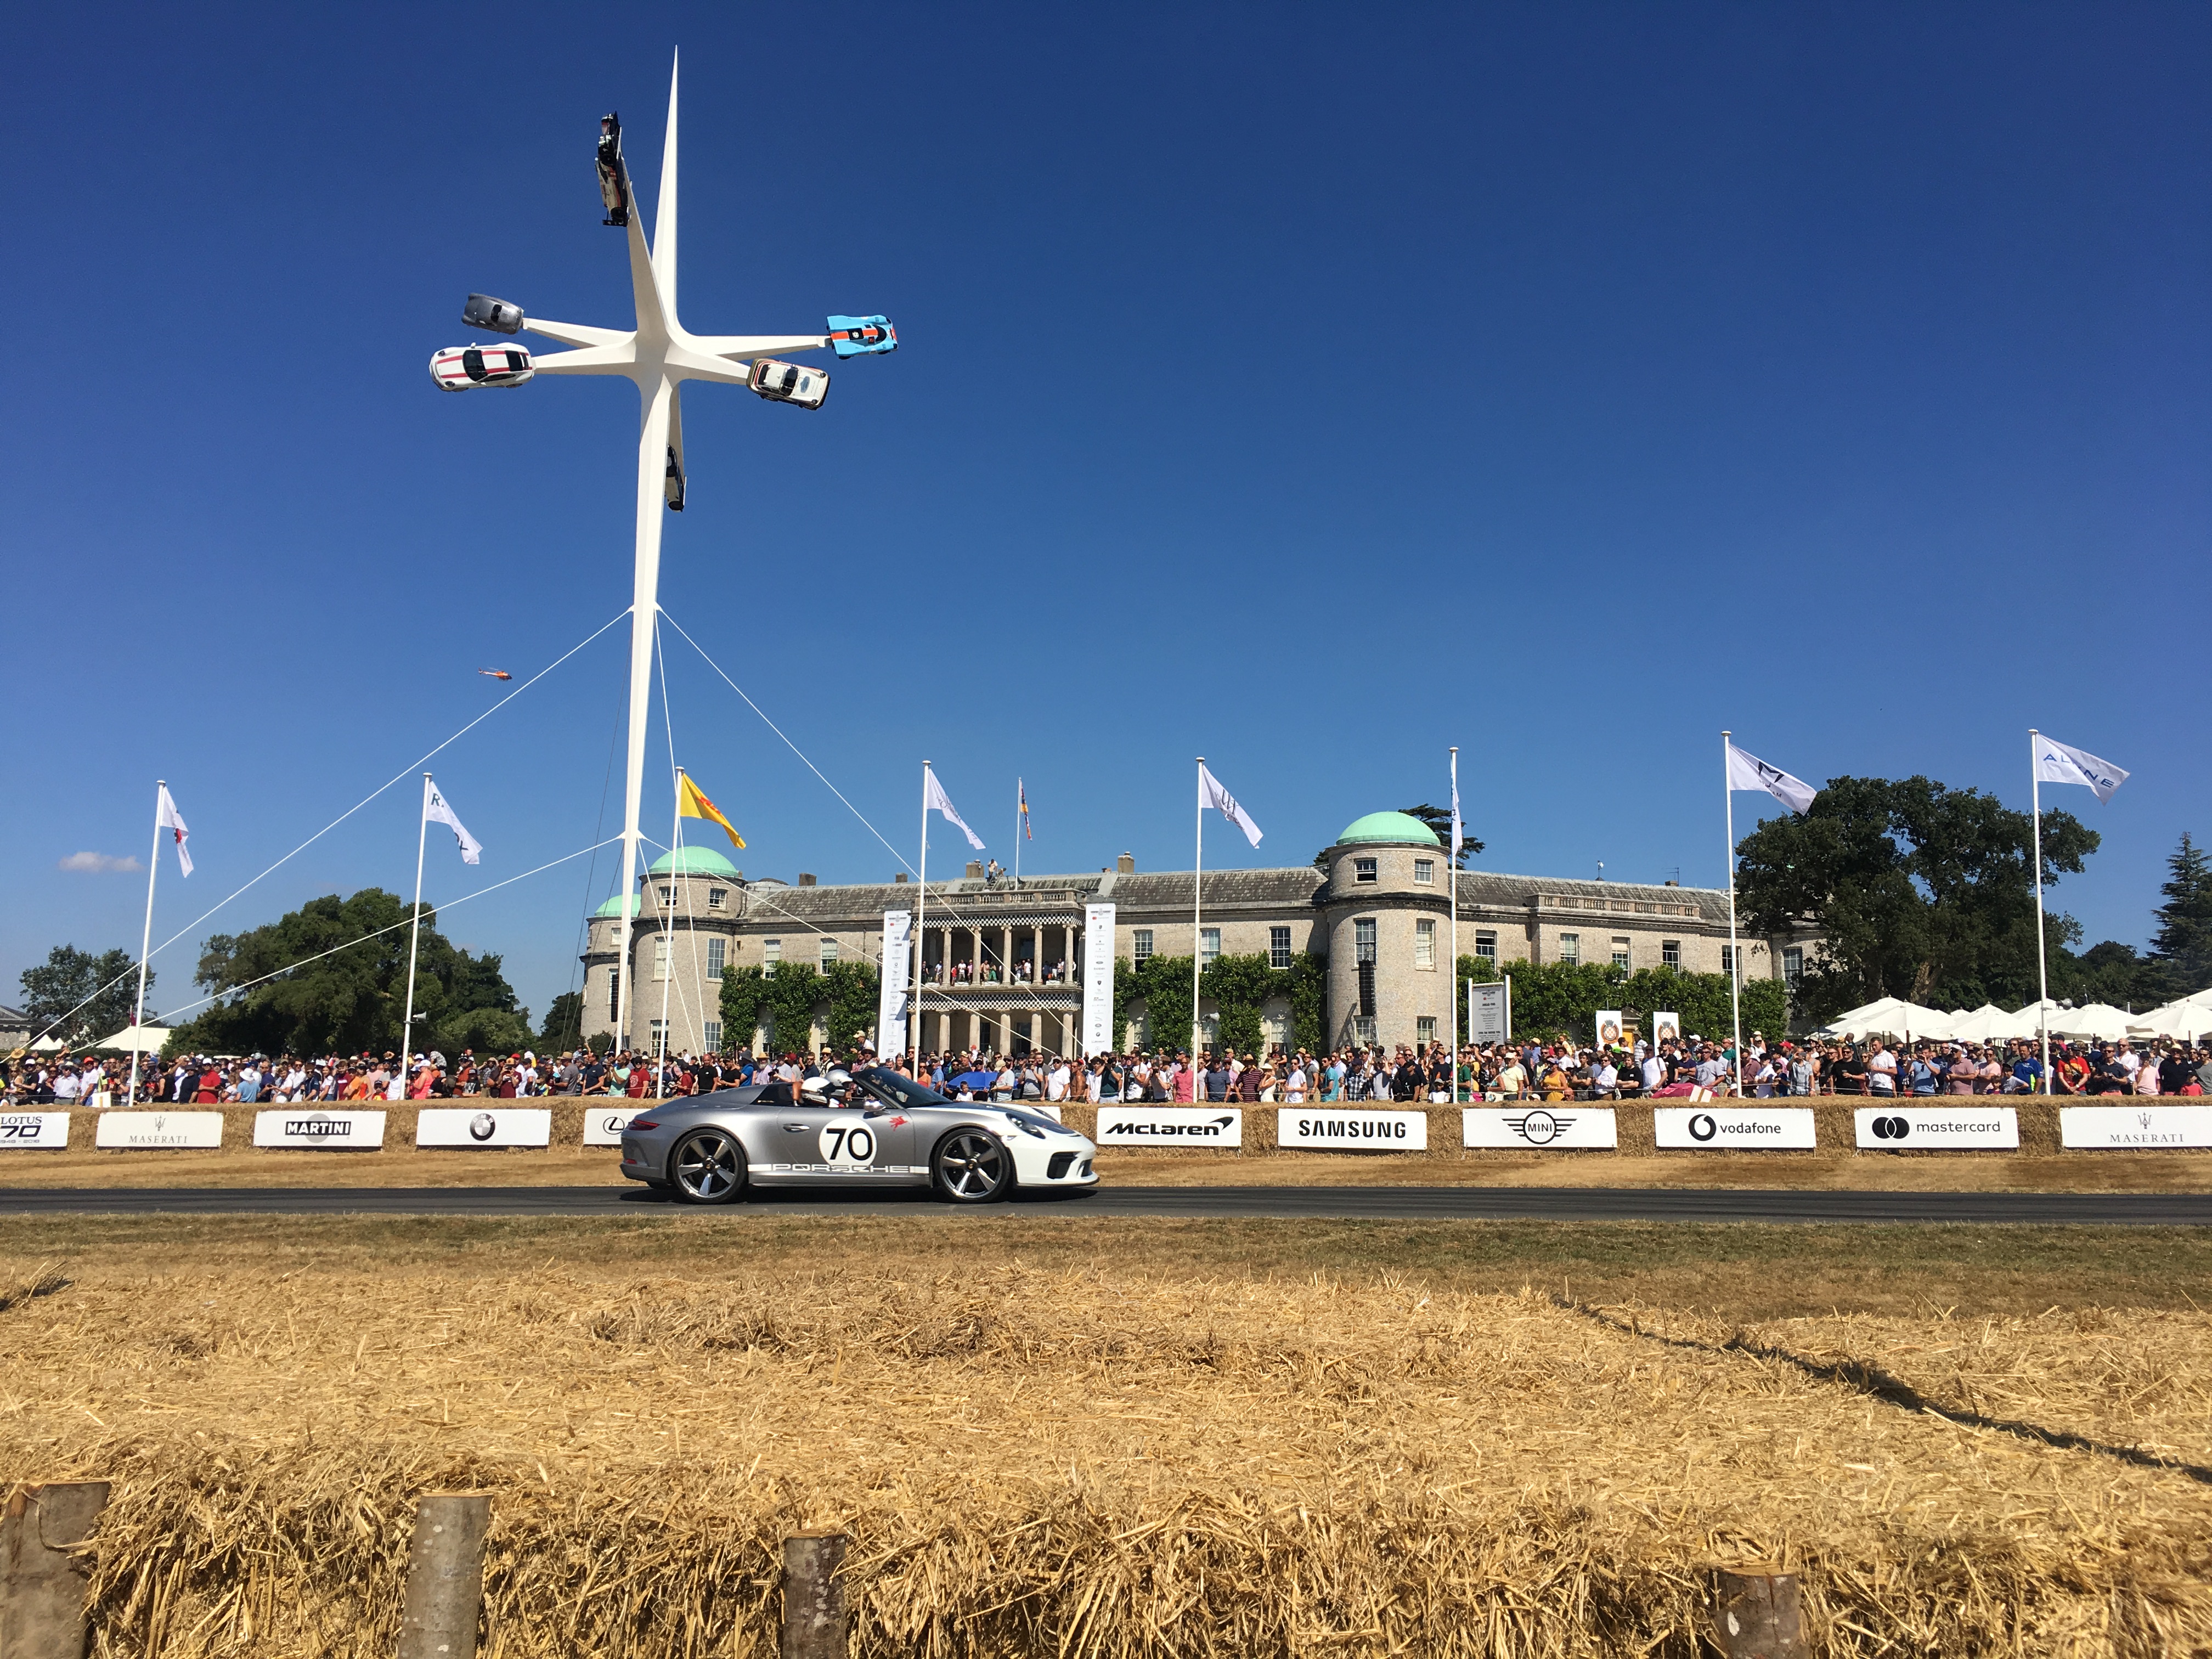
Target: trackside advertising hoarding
column 310, row 1128
column 1140, row 1125
column 603, row 1125
column 1731, row 1128
column 1904, row 1127
column 1345, row 1130
column 463, row 1125
column 1567, row 1127
column 25, row 1131
column 158, row 1131
column 2140, row 1128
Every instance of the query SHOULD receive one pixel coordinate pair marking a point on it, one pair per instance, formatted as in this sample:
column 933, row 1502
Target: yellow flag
column 690, row 803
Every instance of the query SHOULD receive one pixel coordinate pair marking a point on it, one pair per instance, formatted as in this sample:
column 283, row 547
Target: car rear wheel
column 707, row 1167
column 970, row 1166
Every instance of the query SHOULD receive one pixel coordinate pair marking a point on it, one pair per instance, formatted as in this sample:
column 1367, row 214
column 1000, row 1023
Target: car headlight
column 1026, row 1126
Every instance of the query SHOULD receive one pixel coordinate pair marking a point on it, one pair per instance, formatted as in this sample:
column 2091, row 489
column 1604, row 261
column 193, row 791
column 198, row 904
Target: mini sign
column 1906, row 1126
column 1140, row 1125
column 1344, row 1130
column 309, row 1129
column 2141, row 1127
column 1566, row 1125
column 33, row 1131
column 1732, row 1128
column 467, row 1125
column 604, row 1125
column 158, row 1131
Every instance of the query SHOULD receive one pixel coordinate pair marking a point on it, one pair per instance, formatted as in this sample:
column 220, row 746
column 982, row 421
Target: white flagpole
column 146, row 939
column 1451, row 874
column 414, row 937
column 1197, row 872
column 1736, row 951
column 2042, row 969
column 668, row 925
column 920, row 907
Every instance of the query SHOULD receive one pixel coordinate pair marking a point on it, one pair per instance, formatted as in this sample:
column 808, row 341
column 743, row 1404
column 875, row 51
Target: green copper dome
column 1388, row 826
column 695, row 862
column 613, row 907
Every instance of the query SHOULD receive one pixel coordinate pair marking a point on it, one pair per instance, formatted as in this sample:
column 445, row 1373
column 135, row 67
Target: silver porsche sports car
column 873, row 1127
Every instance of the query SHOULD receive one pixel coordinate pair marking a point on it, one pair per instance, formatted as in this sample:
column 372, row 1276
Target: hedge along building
column 1376, row 915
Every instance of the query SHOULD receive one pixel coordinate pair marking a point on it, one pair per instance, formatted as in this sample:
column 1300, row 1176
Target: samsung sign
column 1731, row 1128
column 1906, row 1127
column 1140, row 1125
column 1318, row 1125
column 2141, row 1127
column 308, row 1129
column 463, row 1125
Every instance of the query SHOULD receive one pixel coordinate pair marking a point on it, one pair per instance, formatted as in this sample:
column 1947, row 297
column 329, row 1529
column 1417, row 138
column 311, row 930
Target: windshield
column 898, row 1090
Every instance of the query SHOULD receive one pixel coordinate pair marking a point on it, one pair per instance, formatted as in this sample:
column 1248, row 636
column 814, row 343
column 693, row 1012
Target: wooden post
column 1757, row 1614
column 445, row 1575
column 42, row 1575
column 814, row 1614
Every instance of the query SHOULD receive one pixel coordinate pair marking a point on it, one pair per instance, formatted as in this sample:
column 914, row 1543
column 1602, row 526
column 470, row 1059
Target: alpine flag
column 2062, row 763
column 435, row 811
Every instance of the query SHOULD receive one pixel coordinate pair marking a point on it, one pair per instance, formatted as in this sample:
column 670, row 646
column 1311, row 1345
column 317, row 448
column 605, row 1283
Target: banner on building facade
column 892, row 984
column 1490, row 1012
column 1098, row 1032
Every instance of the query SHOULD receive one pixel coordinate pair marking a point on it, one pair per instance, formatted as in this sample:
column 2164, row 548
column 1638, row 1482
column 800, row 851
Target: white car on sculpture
column 463, row 368
column 790, row 383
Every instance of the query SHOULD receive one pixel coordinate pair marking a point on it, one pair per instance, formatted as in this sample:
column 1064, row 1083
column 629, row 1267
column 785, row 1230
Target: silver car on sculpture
column 869, row 1127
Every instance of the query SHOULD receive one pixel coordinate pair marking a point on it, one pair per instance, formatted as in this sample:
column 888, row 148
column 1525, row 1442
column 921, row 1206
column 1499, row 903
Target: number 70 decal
column 848, row 1144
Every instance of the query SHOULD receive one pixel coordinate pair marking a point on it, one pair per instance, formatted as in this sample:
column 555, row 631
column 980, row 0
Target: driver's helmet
column 813, row 1091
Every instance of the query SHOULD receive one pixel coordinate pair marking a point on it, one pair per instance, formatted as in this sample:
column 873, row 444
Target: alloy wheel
column 709, row 1167
column 971, row 1166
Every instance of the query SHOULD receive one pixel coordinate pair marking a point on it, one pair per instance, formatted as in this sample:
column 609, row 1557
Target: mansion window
column 715, row 959
column 1485, row 944
column 1727, row 960
column 1619, row 950
column 1209, row 944
column 1424, row 873
column 1279, row 947
column 1670, row 952
column 1571, row 949
column 1140, row 944
column 1425, row 943
column 771, row 953
column 614, row 991
column 716, row 899
column 1792, row 964
column 1362, row 940
column 660, row 956
column 1362, row 869
column 713, row 1030
column 829, row 954
column 1425, row 1029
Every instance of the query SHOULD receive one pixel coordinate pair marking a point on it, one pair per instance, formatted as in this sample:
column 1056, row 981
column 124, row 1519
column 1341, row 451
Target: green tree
column 1239, row 987
column 1561, row 999
column 563, row 1030
column 1918, row 891
column 107, row 987
column 331, row 977
column 2181, row 952
column 786, row 1003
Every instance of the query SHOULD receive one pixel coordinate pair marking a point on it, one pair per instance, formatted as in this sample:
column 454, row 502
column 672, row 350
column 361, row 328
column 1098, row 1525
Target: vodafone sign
column 1732, row 1128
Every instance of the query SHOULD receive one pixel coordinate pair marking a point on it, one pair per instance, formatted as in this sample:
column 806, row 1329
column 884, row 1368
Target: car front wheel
column 707, row 1167
column 971, row 1167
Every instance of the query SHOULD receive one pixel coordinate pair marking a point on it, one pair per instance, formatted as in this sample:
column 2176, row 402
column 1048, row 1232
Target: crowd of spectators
column 1690, row 1069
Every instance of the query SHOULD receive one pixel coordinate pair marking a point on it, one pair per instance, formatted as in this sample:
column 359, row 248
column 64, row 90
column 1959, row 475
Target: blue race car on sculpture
column 854, row 337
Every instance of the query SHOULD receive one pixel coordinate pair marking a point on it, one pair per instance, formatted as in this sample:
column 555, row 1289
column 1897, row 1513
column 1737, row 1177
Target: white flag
column 1749, row 772
column 2062, row 763
column 1458, row 833
column 435, row 811
column 1211, row 793
column 166, row 817
column 934, row 800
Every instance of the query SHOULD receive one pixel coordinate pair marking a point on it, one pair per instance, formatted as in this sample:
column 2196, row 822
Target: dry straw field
column 1113, row 1457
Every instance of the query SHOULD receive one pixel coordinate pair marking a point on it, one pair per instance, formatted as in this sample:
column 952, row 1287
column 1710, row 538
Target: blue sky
column 1309, row 387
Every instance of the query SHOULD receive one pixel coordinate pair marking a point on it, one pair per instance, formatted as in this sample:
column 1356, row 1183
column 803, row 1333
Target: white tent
column 2094, row 1020
column 1892, row 1016
column 137, row 1039
column 2186, row 1019
column 1987, row 1023
column 47, row 1045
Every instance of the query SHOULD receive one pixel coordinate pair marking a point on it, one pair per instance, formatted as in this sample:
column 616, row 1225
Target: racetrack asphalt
column 1284, row 1203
